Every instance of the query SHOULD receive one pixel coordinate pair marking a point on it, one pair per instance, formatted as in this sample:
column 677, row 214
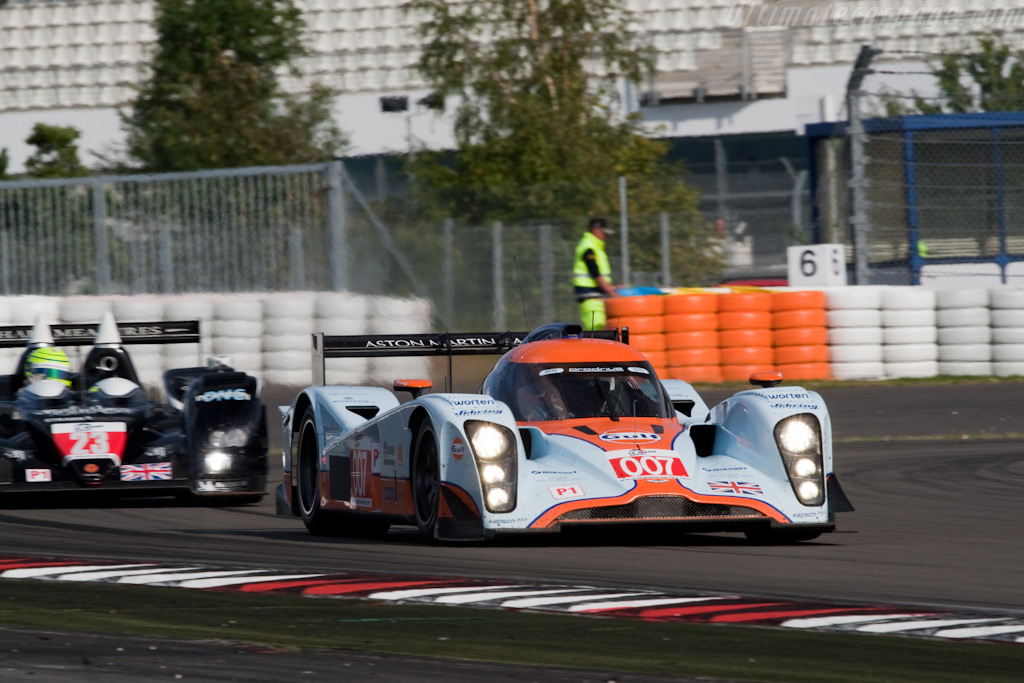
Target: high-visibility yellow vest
column 581, row 276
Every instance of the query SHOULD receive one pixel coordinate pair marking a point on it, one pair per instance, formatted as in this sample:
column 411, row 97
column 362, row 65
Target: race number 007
column 648, row 466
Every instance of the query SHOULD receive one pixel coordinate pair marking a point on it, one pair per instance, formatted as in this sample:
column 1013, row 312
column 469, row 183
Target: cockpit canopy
column 562, row 391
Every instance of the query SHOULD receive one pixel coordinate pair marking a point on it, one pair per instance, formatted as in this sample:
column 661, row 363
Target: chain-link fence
column 933, row 186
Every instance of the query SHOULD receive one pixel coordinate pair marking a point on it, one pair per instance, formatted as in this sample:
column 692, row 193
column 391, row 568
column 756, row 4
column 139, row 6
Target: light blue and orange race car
column 568, row 430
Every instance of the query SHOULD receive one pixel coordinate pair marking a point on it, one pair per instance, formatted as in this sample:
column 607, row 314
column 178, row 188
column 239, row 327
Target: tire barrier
column 964, row 333
column 745, row 324
column 910, row 347
column 1007, row 327
column 800, row 334
column 854, row 324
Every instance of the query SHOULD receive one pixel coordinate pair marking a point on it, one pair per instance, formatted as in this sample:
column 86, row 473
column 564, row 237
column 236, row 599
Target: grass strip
column 666, row 649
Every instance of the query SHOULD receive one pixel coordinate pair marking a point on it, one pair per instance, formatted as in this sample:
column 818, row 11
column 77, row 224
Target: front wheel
column 313, row 516
column 426, row 482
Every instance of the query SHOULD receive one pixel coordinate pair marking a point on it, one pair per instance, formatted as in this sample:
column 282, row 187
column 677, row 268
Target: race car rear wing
column 446, row 344
column 84, row 334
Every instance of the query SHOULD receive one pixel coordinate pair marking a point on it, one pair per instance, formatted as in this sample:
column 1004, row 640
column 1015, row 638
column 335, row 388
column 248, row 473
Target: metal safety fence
column 919, row 192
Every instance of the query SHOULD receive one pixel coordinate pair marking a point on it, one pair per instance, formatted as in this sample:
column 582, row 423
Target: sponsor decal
column 629, row 436
column 150, row 471
column 649, row 467
column 788, row 396
column 90, row 439
column 725, row 469
column 457, row 402
column 213, row 485
column 595, row 369
column 79, row 412
column 363, row 502
column 795, row 406
column 365, row 463
column 550, row 371
column 746, row 488
column 642, row 371
column 18, row 455
column 804, row 515
column 390, row 494
column 552, row 471
column 157, row 452
column 477, row 412
column 458, row 448
column 566, row 492
column 224, row 395
column 33, row 475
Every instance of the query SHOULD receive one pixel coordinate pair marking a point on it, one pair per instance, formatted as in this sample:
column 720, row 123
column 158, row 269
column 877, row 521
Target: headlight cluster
column 494, row 448
column 227, row 438
column 217, row 462
column 799, row 441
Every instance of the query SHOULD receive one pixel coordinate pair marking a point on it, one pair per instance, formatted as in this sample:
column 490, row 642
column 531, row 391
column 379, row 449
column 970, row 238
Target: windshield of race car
column 539, row 392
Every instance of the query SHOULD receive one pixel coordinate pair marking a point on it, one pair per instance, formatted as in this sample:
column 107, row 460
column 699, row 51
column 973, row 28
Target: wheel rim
column 427, row 485
column 308, row 471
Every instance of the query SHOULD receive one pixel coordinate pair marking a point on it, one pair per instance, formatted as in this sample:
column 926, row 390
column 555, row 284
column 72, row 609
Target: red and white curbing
column 634, row 604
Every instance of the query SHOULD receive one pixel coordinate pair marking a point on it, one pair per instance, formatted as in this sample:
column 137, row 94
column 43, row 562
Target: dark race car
column 98, row 430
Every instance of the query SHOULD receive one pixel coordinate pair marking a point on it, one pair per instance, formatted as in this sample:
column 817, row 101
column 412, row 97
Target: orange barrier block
column 742, row 373
column 747, row 355
column 753, row 337
column 791, row 355
column 696, row 339
column 682, row 357
column 801, row 317
column 800, row 336
column 688, row 322
column 696, row 373
column 653, row 324
column 651, row 304
column 658, row 359
column 691, row 303
column 744, row 320
column 744, row 301
column 647, row 342
column 797, row 371
column 789, row 301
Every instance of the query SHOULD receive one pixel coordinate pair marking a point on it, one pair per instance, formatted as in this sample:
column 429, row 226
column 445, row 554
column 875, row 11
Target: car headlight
column 496, row 456
column 799, row 440
column 229, row 438
column 217, row 461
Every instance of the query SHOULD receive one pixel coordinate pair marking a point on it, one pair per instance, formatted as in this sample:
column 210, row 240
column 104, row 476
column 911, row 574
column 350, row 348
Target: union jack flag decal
column 740, row 487
column 148, row 471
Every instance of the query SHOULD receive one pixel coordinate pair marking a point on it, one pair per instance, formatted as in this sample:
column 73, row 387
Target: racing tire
column 961, row 298
column 780, row 536
column 426, row 482
column 691, row 303
column 317, row 520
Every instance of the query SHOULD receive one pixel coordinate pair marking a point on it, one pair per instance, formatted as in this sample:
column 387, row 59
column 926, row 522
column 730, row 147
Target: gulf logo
column 629, row 436
column 458, row 448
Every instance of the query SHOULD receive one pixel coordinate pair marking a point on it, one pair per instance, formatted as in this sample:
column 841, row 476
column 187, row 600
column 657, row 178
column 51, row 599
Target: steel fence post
column 624, row 226
column 498, row 277
column 296, row 260
column 166, row 258
column 337, row 215
column 547, row 275
column 99, row 218
column 666, row 264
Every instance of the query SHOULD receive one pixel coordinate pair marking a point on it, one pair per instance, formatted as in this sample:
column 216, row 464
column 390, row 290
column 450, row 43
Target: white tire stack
column 148, row 359
column 342, row 313
column 393, row 315
column 189, row 308
column 236, row 332
column 855, row 332
column 9, row 357
column 909, row 332
column 1007, row 331
column 964, row 334
column 288, row 326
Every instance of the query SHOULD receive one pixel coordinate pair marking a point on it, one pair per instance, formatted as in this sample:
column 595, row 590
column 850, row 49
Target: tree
column 988, row 79
column 213, row 98
column 538, row 128
column 5, row 160
column 56, row 154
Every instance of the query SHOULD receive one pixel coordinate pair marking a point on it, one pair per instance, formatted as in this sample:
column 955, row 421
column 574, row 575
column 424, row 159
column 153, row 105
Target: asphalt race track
column 937, row 522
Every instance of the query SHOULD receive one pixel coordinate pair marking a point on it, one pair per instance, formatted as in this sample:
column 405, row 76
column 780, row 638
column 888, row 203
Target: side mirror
column 416, row 387
column 766, row 379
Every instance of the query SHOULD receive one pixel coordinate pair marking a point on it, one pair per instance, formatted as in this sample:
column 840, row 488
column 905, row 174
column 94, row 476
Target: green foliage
column 5, row 160
column 538, row 129
column 56, row 154
column 213, row 98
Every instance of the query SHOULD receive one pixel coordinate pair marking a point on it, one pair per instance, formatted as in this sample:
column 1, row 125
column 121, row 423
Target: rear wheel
column 313, row 516
column 780, row 536
column 426, row 481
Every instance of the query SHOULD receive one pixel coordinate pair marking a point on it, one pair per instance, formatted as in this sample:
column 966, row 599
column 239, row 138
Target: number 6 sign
column 816, row 265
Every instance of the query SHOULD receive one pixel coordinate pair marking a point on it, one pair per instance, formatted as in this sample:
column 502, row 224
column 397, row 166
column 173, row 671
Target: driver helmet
column 48, row 363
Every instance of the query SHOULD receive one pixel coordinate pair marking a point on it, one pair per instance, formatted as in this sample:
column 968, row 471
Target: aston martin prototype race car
column 568, row 430
column 97, row 430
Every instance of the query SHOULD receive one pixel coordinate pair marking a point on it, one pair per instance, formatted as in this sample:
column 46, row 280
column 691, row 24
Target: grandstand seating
column 69, row 53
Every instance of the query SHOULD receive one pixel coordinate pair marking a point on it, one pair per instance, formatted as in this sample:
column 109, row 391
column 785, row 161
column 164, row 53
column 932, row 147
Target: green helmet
column 48, row 363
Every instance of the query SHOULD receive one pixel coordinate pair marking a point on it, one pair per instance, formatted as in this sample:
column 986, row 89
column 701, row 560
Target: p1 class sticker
column 566, row 492
column 34, row 475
